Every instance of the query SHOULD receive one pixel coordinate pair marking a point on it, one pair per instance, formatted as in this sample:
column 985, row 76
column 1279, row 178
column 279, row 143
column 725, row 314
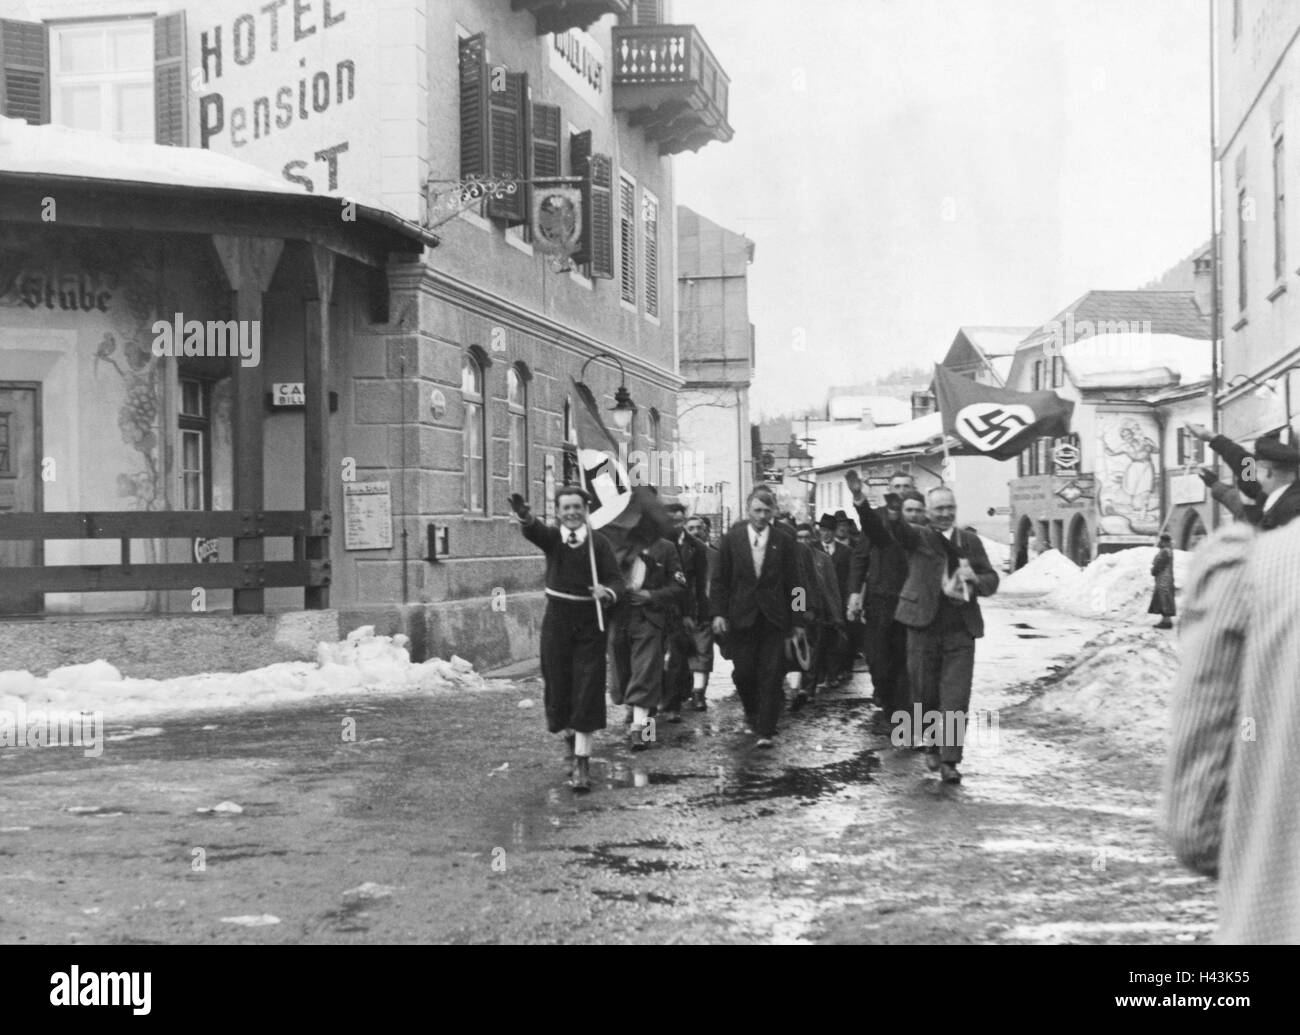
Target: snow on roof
column 884, row 409
column 59, row 151
column 996, row 341
column 839, row 445
column 1136, row 360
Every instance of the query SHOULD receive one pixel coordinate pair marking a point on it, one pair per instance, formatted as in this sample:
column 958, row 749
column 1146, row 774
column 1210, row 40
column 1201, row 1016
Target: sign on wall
column 580, row 61
column 1186, row 488
column 294, row 88
column 367, row 516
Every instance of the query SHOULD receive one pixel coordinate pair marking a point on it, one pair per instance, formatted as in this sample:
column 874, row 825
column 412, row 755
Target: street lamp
column 624, row 408
column 1261, row 388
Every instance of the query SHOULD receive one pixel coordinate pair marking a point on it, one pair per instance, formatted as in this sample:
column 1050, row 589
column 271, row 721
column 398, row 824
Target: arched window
column 659, row 465
column 570, row 445
column 517, row 407
column 474, row 435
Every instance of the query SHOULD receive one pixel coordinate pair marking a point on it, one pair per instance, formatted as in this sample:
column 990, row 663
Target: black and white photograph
column 650, row 472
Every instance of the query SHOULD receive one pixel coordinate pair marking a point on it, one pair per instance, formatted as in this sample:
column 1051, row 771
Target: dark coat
column 877, row 570
column 919, row 599
column 695, row 566
column 740, row 595
column 550, row 541
column 664, row 582
column 841, row 559
column 1286, row 509
column 1162, row 600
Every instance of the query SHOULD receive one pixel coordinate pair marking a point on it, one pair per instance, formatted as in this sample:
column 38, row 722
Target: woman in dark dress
column 1162, row 600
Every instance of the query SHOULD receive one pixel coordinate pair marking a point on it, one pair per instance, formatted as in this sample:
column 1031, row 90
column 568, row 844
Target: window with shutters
column 102, row 78
column 474, row 435
column 570, row 446
column 517, row 407
column 24, row 72
column 508, row 144
column 1058, row 371
column 650, row 235
column 473, row 106
column 627, row 238
column 644, row 12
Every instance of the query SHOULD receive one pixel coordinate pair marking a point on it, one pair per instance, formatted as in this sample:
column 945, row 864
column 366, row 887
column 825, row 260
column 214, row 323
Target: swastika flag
column 997, row 422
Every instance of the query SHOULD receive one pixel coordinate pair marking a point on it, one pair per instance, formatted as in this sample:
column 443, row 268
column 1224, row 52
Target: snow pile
column 999, row 553
column 364, row 661
column 1045, row 573
column 1116, row 585
column 1120, row 681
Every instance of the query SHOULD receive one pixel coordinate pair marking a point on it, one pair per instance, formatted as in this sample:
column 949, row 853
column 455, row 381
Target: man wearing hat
column 839, row 663
column 1162, row 600
column 1269, row 478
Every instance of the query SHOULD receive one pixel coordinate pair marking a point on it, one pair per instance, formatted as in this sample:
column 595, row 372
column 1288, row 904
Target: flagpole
column 595, row 579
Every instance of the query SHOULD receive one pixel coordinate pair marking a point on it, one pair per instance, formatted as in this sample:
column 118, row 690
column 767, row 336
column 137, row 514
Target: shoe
column 1163, row 625
column 764, row 742
column 581, row 779
column 800, row 699
column 932, row 761
column 635, row 738
column 673, row 716
column 949, row 774
column 697, row 701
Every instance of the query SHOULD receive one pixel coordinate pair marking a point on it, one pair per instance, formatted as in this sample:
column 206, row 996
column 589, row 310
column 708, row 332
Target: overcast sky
column 946, row 162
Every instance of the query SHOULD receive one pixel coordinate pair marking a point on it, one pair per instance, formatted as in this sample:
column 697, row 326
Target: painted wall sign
column 283, row 85
column 367, row 516
column 70, row 292
column 1128, row 471
column 580, row 61
column 206, row 551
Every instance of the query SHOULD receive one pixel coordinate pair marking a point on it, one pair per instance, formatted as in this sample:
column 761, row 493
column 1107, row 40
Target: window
column 1236, row 18
column 657, row 473
column 102, row 78
column 1039, row 366
column 474, row 435
column 1191, row 450
column 570, row 446
column 195, row 427
column 1242, row 209
column 650, row 232
column 517, row 407
column 1058, row 371
column 5, row 462
column 1279, row 210
column 627, row 238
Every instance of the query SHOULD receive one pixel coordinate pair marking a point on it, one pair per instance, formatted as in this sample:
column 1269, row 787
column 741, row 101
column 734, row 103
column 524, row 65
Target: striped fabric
column 1231, row 803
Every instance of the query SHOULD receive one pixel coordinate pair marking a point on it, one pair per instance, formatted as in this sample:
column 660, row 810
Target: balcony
column 563, row 15
column 671, row 86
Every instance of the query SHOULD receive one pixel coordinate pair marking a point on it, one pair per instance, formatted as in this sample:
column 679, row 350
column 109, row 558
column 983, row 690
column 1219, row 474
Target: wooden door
column 20, row 435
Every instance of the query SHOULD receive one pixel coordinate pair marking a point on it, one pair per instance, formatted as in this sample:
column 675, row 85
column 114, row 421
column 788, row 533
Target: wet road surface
column 448, row 819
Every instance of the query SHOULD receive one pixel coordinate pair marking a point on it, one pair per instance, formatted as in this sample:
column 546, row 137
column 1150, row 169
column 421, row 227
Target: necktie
column 573, row 538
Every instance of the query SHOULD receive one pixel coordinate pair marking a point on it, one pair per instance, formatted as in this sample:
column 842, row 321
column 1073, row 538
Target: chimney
column 868, row 422
column 1202, row 285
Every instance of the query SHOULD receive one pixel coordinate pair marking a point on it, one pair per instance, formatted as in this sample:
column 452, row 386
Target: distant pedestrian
column 1162, row 600
column 1230, row 804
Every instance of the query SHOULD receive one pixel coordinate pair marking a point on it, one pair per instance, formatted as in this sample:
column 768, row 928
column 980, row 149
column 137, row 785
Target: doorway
column 1080, row 544
column 20, row 487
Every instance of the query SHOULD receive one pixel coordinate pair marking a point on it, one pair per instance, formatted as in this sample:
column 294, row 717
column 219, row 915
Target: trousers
column 940, row 665
column 638, row 650
column 573, row 667
column 758, row 660
column 886, row 651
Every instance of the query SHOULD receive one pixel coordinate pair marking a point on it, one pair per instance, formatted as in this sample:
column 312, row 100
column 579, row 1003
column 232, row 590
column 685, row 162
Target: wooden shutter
column 648, row 12
column 508, row 145
column 24, row 72
column 650, row 231
column 547, row 123
column 601, row 218
column 473, row 107
column 580, row 165
column 627, row 239
column 170, row 77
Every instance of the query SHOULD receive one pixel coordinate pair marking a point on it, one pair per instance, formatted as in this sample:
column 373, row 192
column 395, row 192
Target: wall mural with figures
column 1128, row 474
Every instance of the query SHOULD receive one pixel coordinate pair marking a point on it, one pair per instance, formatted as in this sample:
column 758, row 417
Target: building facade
column 460, row 390
column 716, row 353
column 1258, row 87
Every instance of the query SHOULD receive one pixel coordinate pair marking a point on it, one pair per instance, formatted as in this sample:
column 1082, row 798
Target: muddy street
column 447, row 819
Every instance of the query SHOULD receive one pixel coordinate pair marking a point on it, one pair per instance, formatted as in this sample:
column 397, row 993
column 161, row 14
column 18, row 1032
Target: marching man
column 582, row 579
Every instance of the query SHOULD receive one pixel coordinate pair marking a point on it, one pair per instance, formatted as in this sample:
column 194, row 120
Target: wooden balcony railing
column 125, row 526
column 667, row 78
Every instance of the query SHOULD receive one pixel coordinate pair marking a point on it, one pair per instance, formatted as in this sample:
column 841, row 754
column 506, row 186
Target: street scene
column 649, row 472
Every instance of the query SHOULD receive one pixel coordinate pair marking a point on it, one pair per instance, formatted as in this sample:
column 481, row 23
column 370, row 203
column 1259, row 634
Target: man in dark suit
column 1269, row 477
column 758, row 604
column 877, row 575
column 838, row 659
column 694, row 611
column 701, row 659
column 948, row 570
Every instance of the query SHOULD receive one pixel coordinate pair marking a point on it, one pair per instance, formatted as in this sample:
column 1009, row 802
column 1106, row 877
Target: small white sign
column 288, row 393
column 367, row 516
column 1186, row 488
